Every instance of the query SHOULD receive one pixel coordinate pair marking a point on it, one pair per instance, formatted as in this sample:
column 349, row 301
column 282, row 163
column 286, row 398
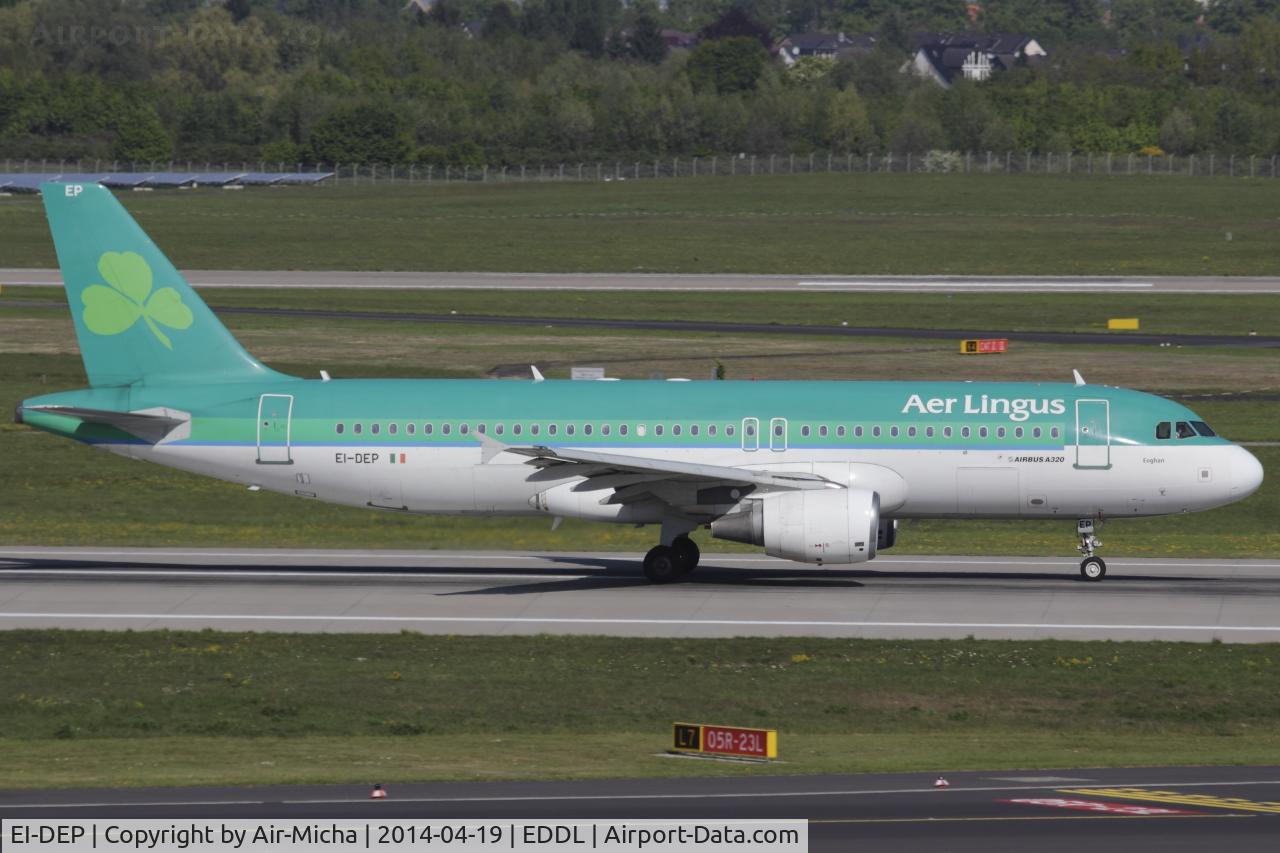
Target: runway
column 605, row 593
column 1167, row 809
column 382, row 280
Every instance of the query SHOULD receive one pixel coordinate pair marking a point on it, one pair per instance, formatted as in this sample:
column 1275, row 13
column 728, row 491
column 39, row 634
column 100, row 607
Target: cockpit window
column 1163, row 430
column 1185, row 430
column 1203, row 428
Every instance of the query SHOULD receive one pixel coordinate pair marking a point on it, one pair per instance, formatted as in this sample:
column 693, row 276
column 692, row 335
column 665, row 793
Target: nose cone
column 1246, row 473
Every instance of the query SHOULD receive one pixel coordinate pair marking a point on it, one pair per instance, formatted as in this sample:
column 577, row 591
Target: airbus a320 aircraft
column 816, row 472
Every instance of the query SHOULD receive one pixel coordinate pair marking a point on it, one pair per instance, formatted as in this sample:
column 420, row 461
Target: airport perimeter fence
column 725, row 165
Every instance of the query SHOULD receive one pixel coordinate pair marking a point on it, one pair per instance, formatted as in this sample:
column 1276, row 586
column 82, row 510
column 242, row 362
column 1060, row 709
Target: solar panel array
column 31, row 181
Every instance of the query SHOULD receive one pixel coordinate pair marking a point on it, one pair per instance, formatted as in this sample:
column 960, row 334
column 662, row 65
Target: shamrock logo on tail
column 112, row 310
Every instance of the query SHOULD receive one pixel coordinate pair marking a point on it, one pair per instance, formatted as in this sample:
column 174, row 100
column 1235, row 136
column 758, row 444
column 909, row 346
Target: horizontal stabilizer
column 151, row 428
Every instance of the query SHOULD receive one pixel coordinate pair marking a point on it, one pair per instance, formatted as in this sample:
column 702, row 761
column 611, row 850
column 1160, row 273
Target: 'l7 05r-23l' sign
column 983, row 346
column 725, row 740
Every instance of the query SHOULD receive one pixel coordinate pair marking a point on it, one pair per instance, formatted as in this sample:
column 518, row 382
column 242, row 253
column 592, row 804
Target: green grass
column 796, row 225
column 1159, row 313
column 203, row 707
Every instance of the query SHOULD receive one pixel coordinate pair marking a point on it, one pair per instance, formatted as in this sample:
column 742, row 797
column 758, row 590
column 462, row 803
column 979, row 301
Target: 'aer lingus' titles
column 1017, row 408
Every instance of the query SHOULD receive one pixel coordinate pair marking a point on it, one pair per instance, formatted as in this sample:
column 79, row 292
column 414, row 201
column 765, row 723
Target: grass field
column 89, row 708
column 1159, row 313
column 1022, row 225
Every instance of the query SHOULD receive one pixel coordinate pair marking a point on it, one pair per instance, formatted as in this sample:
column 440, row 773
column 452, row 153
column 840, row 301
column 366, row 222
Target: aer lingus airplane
column 817, row 472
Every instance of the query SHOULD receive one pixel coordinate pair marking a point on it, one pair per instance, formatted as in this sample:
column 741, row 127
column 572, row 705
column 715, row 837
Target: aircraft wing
column 149, row 427
column 638, row 477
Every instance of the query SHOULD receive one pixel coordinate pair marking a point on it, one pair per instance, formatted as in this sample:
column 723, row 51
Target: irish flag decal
column 394, row 460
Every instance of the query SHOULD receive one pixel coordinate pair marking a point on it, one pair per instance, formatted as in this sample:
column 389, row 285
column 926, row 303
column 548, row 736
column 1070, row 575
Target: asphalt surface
column 718, row 281
column 532, row 593
column 1160, row 809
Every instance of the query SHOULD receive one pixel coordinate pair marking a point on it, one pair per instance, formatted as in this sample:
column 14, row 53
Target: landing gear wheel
column 661, row 565
column 687, row 554
column 1093, row 569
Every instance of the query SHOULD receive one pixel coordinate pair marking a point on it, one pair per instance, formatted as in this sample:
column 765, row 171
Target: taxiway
column 388, row 280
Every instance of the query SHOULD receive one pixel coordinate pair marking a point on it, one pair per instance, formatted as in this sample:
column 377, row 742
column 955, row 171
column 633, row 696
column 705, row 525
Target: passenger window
column 1000, row 432
column 1018, row 432
column 1203, row 429
column 1185, row 430
column 341, row 428
column 965, row 432
column 1164, row 429
column 729, row 430
column 675, row 429
column 982, row 432
column 427, row 429
column 622, row 429
column 533, row 429
column 586, row 429
column 376, row 428
column 1055, row 432
column 893, row 431
column 857, row 432
column 499, row 429
column 928, row 432
column 1036, row 432
column 875, row 431
column 604, row 430
column 480, row 428
column 551, row 429
column 445, row 428
column 693, row 430
column 777, row 430
column 462, row 429
column 804, row 430
column 393, row 428
column 414, row 428
column 911, row 432
column 840, row 431
column 946, row 432
column 359, row 428
column 751, row 430
column 711, row 430
column 516, row 429
column 571, row 429
column 657, row 430
column 822, row 431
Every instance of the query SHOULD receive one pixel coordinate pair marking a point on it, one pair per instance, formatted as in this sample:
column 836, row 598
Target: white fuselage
column 1141, row 480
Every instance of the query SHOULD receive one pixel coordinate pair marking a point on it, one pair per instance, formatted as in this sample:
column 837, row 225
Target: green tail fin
column 137, row 319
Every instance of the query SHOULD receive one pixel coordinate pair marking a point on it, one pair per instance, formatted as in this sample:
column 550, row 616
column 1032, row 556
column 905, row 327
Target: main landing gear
column 669, row 563
column 1092, row 568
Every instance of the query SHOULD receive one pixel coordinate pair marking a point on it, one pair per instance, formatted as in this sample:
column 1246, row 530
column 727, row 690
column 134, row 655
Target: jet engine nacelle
column 811, row 526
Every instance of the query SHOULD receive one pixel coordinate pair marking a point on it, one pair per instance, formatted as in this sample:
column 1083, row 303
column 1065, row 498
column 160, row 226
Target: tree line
column 472, row 82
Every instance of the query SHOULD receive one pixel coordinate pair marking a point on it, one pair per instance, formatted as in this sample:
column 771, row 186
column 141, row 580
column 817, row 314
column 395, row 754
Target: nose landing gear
column 1092, row 568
